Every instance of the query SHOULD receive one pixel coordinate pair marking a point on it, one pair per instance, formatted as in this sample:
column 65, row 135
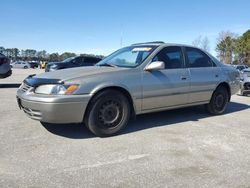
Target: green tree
column 2, row 50
column 9, row 52
column 54, row 57
column 243, row 48
column 30, row 53
column 226, row 46
column 41, row 55
column 15, row 53
column 66, row 55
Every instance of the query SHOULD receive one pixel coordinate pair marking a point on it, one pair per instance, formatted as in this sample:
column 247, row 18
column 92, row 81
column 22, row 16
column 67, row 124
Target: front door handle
column 183, row 77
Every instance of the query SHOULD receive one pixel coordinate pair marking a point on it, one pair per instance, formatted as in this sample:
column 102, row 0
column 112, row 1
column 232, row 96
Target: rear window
column 91, row 60
column 196, row 58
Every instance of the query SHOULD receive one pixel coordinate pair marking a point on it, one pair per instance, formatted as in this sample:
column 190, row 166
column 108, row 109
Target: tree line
column 234, row 49
column 231, row 48
column 33, row 55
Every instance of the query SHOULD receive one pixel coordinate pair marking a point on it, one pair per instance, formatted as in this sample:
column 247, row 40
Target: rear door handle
column 183, row 77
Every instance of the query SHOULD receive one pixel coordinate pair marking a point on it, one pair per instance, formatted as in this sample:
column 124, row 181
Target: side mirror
column 156, row 65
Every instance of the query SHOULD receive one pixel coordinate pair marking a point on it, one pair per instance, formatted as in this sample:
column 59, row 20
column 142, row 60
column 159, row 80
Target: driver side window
column 77, row 60
column 171, row 56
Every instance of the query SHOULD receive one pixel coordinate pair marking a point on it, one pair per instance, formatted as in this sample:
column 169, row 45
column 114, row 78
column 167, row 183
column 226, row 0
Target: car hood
column 74, row 73
column 54, row 63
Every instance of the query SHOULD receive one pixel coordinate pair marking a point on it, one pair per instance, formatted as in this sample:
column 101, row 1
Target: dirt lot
column 178, row 148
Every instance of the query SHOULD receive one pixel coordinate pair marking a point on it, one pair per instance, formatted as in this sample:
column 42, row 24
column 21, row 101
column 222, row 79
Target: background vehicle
column 78, row 61
column 34, row 64
column 245, row 82
column 240, row 67
column 5, row 68
column 138, row 79
column 20, row 64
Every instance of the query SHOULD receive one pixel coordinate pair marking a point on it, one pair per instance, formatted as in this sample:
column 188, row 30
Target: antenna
column 121, row 39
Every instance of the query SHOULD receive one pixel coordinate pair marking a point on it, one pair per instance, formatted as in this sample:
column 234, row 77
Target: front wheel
column 108, row 113
column 218, row 102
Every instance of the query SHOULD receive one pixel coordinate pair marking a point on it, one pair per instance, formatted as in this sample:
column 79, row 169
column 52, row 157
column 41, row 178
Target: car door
column 82, row 61
column 168, row 87
column 24, row 64
column 89, row 61
column 18, row 65
column 204, row 75
column 76, row 62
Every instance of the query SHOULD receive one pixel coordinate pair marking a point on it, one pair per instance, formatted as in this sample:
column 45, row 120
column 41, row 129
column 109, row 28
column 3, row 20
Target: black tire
column 25, row 67
column 107, row 113
column 219, row 101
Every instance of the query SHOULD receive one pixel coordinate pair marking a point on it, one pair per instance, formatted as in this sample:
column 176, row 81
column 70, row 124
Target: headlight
column 56, row 89
column 53, row 66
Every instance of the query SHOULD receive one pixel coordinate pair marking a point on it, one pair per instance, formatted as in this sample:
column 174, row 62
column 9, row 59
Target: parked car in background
column 34, row 64
column 245, row 82
column 20, row 64
column 78, row 61
column 5, row 68
column 240, row 67
column 137, row 79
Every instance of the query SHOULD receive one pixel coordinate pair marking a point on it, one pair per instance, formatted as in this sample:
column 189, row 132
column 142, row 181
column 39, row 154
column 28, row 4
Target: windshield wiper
column 107, row 65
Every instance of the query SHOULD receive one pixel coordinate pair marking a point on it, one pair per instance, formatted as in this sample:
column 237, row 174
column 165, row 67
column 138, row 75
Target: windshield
column 128, row 57
column 68, row 60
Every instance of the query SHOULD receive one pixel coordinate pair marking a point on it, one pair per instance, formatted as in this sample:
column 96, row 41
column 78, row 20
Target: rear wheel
column 218, row 102
column 25, row 67
column 108, row 113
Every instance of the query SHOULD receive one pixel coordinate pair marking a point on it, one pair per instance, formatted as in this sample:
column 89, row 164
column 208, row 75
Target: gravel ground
column 177, row 148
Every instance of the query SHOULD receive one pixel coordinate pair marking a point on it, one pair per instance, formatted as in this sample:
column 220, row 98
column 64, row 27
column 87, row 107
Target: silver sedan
column 137, row 79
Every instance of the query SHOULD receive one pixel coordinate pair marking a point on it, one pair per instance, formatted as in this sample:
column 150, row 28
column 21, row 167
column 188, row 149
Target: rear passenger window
column 90, row 60
column 196, row 58
column 171, row 56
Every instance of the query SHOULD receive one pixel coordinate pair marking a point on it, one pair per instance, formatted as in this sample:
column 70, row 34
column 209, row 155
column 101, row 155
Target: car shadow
column 144, row 121
column 173, row 117
column 247, row 95
column 74, row 131
column 12, row 85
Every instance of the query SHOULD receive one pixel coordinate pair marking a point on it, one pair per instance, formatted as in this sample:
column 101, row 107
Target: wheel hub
column 109, row 113
column 219, row 101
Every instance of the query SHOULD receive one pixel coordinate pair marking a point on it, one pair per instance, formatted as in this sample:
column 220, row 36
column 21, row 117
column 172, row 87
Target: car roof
column 161, row 43
column 153, row 43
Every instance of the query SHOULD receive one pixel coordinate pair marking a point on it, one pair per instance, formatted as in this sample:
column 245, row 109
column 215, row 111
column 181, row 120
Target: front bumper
column 245, row 87
column 53, row 109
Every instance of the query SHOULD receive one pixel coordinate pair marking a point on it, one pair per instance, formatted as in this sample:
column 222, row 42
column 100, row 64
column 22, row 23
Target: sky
column 102, row 26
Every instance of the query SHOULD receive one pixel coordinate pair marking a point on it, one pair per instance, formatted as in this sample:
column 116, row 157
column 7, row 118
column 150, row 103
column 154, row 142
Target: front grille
column 34, row 114
column 25, row 87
